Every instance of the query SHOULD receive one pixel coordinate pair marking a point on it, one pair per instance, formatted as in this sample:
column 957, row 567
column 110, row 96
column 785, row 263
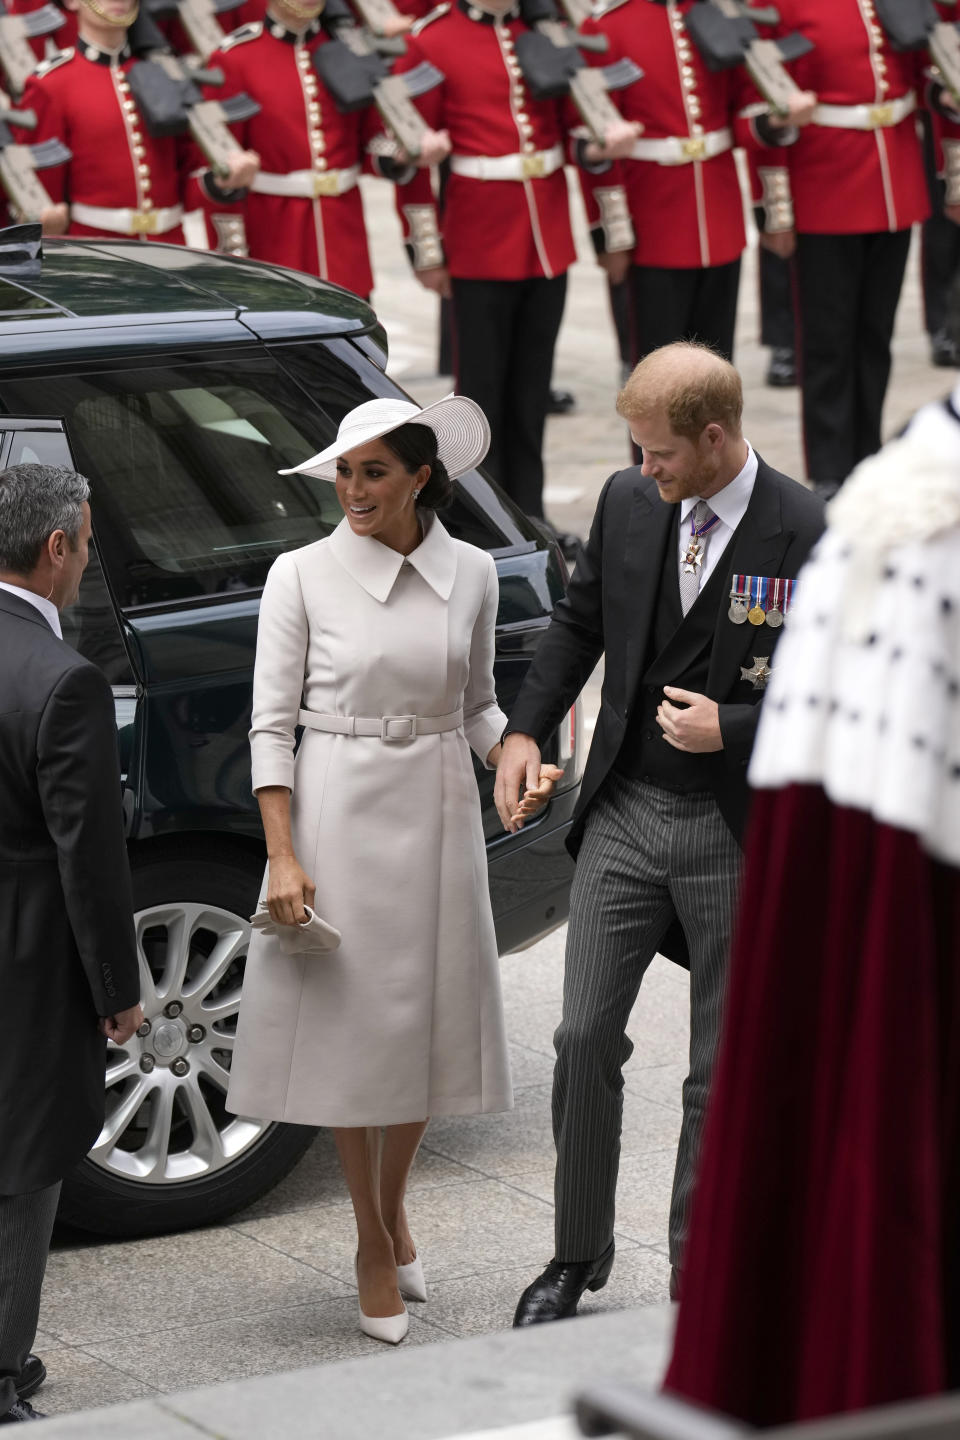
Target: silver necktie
column 691, row 566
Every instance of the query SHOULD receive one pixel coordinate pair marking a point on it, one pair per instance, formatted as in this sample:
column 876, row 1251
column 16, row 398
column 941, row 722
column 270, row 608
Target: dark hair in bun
column 415, row 445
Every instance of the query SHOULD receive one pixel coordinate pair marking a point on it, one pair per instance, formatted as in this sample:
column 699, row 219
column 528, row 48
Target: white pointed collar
column 376, row 567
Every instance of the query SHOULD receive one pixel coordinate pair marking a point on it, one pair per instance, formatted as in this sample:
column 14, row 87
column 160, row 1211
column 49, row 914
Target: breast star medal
column 759, row 673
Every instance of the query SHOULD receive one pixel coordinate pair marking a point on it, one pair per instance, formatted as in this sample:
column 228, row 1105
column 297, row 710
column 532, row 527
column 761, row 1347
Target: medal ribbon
column 696, row 531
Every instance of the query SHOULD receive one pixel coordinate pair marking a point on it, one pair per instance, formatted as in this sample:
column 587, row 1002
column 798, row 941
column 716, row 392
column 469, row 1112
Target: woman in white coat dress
column 379, row 640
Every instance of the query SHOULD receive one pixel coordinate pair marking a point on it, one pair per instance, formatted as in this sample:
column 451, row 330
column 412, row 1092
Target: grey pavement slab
column 428, row 1393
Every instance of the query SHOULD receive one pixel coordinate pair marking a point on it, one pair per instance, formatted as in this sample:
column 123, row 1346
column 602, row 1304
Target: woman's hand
column 534, row 799
column 289, row 890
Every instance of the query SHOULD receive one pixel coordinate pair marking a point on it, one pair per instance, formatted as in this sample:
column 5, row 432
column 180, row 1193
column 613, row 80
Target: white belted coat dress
column 404, row 1020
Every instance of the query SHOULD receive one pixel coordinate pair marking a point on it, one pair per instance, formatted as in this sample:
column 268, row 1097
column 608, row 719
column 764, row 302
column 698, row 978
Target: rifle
column 354, row 71
column 19, row 164
column 169, row 98
column 916, row 25
column 725, row 32
column 552, row 65
column 199, row 18
column 17, row 60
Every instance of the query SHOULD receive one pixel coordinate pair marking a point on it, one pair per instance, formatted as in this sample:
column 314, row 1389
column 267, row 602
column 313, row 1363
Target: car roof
column 89, row 279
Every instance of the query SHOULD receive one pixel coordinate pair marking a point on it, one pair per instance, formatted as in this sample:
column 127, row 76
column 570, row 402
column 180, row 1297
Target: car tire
column 98, row 1197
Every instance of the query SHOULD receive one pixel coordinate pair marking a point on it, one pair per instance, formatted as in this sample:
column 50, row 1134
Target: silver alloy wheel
column 165, row 1118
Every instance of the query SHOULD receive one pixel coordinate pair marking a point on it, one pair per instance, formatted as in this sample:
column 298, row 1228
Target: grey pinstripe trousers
column 26, row 1224
column 647, row 855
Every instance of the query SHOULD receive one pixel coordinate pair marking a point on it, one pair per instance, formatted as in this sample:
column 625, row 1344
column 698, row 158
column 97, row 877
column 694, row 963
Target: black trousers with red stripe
column 848, row 289
column 505, row 333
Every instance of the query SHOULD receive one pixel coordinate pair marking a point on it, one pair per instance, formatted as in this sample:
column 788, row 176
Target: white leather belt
column 128, row 222
column 683, row 150
column 509, row 167
column 866, row 117
column 307, row 184
column 382, row 727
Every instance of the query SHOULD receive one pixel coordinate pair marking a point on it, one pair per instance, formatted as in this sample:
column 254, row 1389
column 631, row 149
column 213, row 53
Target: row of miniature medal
column 760, row 599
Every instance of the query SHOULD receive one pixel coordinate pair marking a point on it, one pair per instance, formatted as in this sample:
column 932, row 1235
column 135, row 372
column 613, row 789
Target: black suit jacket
column 609, row 610
column 67, row 946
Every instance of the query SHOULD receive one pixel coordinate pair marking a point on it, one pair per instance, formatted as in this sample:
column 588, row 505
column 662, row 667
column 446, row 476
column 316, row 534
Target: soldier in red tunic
column 304, row 207
column 857, row 177
column 121, row 180
column 506, row 244
column 681, row 179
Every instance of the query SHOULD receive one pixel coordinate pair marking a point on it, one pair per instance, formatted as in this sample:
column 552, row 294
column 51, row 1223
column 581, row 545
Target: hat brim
column 461, row 428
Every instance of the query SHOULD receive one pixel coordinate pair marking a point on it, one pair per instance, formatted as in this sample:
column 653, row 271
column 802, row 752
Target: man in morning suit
column 68, row 955
column 681, row 548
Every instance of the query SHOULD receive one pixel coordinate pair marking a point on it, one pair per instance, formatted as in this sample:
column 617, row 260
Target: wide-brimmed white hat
column 461, row 428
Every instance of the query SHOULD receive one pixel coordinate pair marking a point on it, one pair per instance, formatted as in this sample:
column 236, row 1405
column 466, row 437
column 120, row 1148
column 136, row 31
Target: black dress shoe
column 21, row 1410
column 561, row 402
column 31, row 1377
column 556, row 1293
column 943, row 350
column 782, row 370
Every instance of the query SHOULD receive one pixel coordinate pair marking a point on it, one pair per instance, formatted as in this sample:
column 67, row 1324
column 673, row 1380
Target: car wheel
column 170, row 1155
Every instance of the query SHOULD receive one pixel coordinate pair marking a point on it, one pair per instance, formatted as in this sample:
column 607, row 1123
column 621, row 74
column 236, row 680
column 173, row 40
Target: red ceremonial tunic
column 492, row 229
column 298, row 129
column 689, row 215
column 854, row 181
column 82, row 98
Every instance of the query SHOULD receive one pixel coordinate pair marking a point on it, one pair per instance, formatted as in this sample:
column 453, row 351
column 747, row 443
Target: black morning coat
column 67, row 947
column 609, row 610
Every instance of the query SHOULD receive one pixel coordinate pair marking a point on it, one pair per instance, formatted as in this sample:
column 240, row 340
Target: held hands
column 121, row 1026
column 244, row 168
column 696, row 729
column 618, row 141
column 524, row 784
column 289, row 890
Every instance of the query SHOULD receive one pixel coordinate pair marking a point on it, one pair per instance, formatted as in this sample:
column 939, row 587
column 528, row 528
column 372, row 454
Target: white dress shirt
column 730, row 505
column 46, row 607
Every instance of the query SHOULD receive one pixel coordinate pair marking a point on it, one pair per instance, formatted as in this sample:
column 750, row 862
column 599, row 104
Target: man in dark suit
column 681, row 590
column 68, row 955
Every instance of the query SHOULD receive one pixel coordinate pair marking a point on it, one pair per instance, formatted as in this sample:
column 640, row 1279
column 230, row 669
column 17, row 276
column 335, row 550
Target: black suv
column 180, row 383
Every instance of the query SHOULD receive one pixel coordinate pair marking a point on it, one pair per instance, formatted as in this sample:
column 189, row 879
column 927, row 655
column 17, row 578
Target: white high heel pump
column 391, row 1329
column 410, row 1281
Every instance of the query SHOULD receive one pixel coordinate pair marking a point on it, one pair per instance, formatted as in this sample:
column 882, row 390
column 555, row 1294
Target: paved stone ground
column 273, row 1290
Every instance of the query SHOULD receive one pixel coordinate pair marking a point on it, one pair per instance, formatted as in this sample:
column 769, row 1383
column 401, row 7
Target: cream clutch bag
column 312, row 937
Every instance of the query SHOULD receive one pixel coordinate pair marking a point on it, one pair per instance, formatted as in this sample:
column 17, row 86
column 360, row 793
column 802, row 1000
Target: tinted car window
column 184, row 462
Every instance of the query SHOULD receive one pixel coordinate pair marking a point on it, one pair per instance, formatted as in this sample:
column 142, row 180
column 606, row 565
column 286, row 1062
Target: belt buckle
column 327, row 183
column 695, row 148
column 534, row 167
column 387, row 720
column 143, row 222
column 880, row 116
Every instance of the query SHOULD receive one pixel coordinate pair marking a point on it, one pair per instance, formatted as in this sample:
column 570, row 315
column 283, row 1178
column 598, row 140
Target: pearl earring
column 415, row 494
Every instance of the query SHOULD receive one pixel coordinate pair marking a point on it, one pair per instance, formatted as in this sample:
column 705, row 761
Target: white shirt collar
column 376, row 567
column 46, row 607
column 731, row 502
